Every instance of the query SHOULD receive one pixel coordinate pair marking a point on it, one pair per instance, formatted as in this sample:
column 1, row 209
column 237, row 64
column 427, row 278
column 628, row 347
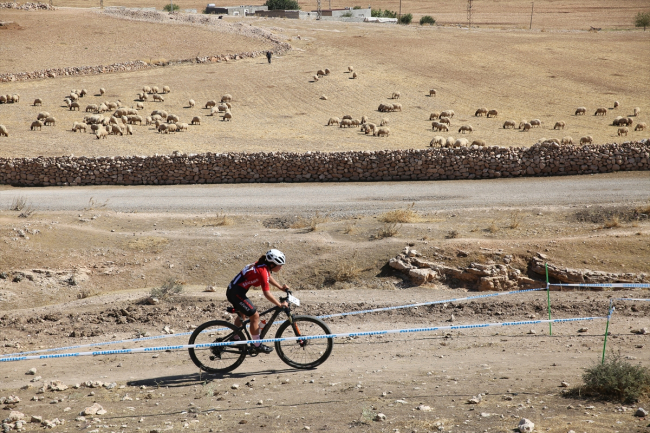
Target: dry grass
column 220, row 220
column 612, row 222
column 350, row 228
column 407, row 215
column 388, row 230
column 644, row 209
column 94, row 204
column 493, row 227
column 346, row 271
column 310, row 224
column 515, row 220
column 27, row 212
column 453, row 234
column 18, row 203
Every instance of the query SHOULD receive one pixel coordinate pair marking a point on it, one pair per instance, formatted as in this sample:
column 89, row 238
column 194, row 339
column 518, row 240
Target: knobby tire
column 217, row 359
column 304, row 354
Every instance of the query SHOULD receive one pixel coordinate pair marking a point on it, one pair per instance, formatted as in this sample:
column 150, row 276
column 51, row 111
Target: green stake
column 609, row 315
column 548, row 302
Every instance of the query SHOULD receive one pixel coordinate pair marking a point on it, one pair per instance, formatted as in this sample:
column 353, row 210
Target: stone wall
column 547, row 159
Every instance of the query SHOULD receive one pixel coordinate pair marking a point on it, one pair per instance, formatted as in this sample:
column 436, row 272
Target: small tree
column 169, row 6
column 642, row 19
column 291, row 5
column 406, row 19
column 427, row 19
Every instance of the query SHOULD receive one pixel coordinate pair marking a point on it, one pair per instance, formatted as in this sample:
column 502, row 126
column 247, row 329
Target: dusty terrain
column 522, row 74
column 79, row 276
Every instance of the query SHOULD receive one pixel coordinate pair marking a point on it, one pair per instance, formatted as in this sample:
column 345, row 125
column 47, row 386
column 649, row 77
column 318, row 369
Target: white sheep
column 364, row 119
column 450, row 142
column 36, row 124
column 191, row 103
column 159, row 98
column 226, row 98
column 587, row 139
column 637, row 111
column 222, row 107
column 38, row 101
column 15, row 98
column 42, row 115
column 116, row 129
column 139, row 106
column 101, row 133
column 92, row 108
column 356, row 122
column 320, row 73
column 333, row 121
column 345, row 122
column 559, row 124
column 432, row 92
column 396, row 95
column 461, row 142
column 166, row 89
column 535, row 123
column 50, row 121
column 154, row 89
column 227, row 116
column 327, row 71
column 182, row 126
column 601, row 111
column 213, row 111
column 103, row 108
column 567, row 140
column 112, row 105
column 323, row 97
column 148, row 120
column 382, row 132
column 616, row 104
column 196, row 120
column 397, row 107
column 481, row 112
column 509, row 124
column 437, row 141
column 492, row 113
column 315, row 78
column 350, row 69
column 128, row 129
column 368, row 128
column 102, row 91
column 442, row 127
column 465, row 128
column 146, row 89
column 479, row 143
column 581, row 111
column 4, row 131
column 447, row 113
column 434, row 115
column 641, row 126
column 444, row 120
column 210, row 104
column 623, row 131
column 78, row 127
column 384, row 122
column 82, row 93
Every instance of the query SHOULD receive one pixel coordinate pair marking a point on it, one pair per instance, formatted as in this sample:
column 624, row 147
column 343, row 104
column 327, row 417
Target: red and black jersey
column 252, row 275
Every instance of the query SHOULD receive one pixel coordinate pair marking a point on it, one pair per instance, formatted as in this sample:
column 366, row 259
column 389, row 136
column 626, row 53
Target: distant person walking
column 268, row 56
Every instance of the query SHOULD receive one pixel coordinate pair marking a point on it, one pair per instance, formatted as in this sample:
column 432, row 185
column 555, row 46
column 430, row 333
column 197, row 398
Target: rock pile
column 27, row 6
column 384, row 165
column 583, row 276
column 493, row 277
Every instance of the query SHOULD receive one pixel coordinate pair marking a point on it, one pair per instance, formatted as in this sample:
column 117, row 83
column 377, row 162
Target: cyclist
column 256, row 274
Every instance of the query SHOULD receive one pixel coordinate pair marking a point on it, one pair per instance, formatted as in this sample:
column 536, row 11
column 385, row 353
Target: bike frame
column 277, row 310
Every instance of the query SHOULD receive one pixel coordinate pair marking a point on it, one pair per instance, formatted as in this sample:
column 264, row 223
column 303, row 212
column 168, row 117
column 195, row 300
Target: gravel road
column 343, row 197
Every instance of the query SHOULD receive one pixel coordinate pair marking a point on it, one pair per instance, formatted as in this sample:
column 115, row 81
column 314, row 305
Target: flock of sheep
column 122, row 119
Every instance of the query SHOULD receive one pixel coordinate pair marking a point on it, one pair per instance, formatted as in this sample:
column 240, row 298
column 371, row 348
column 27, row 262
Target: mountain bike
column 298, row 353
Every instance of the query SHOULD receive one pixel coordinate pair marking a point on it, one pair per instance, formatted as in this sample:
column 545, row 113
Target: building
column 347, row 14
column 244, row 10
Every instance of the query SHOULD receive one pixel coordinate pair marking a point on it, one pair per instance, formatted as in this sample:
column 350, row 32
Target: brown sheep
column 347, row 116
column 587, row 139
column 320, row 73
column 622, row 131
column 559, row 125
column 616, row 104
column 354, row 75
column 50, row 121
column 38, row 101
column 526, row 126
column 481, row 112
column 601, row 111
column 346, row 122
column 492, row 113
column 432, row 92
column 640, row 126
column 581, row 111
column 434, row 115
column 211, row 104
column 196, row 120
column 479, row 143
column 465, row 128
column 535, row 123
column 444, row 120
column 509, row 124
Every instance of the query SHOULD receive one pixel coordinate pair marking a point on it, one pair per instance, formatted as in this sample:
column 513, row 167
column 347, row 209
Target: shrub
column 387, row 231
column 346, row 271
column 617, row 379
column 613, row 222
column 406, row 19
column 642, row 19
column 169, row 289
column 378, row 13
column 427, row 19
column 356, row 7
column 309, row 224
column 347, row 15
column 407, row 215
column 515, row 220
column 171, row 7
column 18, row 203
column 282, row 5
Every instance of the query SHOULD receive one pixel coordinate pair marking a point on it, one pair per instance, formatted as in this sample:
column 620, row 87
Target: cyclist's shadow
column 195, row 378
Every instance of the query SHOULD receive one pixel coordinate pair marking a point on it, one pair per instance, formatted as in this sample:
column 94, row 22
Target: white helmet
column 275, row 256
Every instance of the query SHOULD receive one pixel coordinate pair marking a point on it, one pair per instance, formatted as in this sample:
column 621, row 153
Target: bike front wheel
column 217, row 359
column 308, row 353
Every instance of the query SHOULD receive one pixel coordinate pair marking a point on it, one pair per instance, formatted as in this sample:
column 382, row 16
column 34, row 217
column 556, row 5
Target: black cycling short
column 238, row 297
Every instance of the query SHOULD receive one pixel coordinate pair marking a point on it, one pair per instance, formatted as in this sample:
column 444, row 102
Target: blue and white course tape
column 624, row 285
column 310, row 337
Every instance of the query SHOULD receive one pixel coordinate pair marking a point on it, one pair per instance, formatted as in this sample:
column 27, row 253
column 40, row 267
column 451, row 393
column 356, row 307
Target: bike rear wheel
column 304, row 354
column 217, row 359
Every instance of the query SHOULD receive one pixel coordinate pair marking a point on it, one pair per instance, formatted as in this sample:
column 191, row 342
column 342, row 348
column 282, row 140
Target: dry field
column 522, row 74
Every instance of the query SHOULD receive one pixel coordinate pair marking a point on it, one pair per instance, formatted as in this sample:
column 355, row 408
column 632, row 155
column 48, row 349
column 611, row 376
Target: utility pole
column 532, row 8
column 319, row 11
column 399, row 15
column 469, row 14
